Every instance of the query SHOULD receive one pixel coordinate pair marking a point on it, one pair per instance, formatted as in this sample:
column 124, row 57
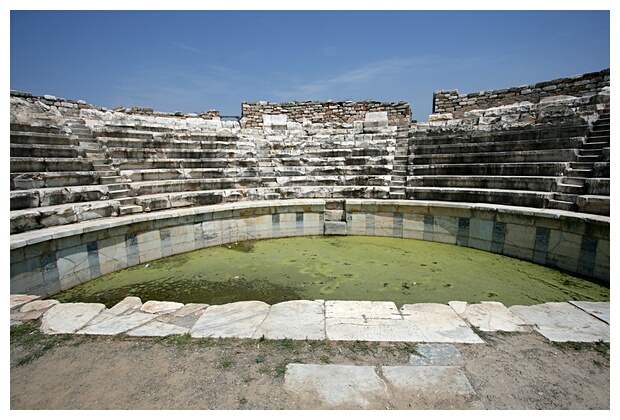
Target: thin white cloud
column 358, row 78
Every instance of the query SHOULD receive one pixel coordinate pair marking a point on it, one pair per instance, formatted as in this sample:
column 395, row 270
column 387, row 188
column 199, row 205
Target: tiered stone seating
column 328, row 161
column 541, row 165
column 50, row 174
column 163, row 168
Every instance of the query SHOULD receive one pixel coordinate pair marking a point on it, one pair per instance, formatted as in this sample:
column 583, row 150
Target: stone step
column 595, row 145
column 126, row 201
column 105, row 180
column 589, row 158
column 119, row 193
column 562, row 205
column 130, row 209
column 578, row 172
column 582, row 165
column 569, row 198
column 570, row 188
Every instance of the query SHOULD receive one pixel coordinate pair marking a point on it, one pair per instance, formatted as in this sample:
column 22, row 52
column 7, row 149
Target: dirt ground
column 510, row 371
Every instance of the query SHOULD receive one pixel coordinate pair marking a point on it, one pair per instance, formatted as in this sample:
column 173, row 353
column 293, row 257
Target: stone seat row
column 550, row 155
column 495, row 146
column 63, row 214
column 552, row 133
column 44, row 197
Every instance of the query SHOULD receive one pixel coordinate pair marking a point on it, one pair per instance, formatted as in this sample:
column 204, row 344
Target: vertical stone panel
column 149, row 246
column 112, row 254
column 462, row 238
column 480, row 234
column 587, row 256
column 564, row 249
column 384, row 224
column 541, row 245
column 398, row 225
column 519, row 241
column 93, row 259
column 73, row 266
column 499, row 237
column 429, row 227
column 131, row 247
column 413, row 226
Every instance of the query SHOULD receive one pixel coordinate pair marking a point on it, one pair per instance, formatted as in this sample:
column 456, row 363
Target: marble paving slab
column 239, row 319
column 158, row 329
column 118, row 324
column 297, row 320
column 562, row 321
column 439, row 323
column 67, row 318
column 436, row 355
column 361, row 310
column 598, row 309
column 489, row 316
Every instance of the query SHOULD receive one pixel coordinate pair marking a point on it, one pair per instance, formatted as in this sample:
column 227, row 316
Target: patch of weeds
column 264, row 369
column 324, row 359
column 280, row 369
column 243, row 401
column 247, row 379
column 286, row 344
column 34, row 341
column 260, row 359
column 178, row 340
column 600, row 347
column 363, row 347
column 226, row 363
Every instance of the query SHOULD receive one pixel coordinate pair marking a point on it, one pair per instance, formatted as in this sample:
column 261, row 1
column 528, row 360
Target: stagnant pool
column 338, row 268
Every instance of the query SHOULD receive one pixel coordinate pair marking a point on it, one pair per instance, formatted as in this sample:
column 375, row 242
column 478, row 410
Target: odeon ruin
column 523, row 172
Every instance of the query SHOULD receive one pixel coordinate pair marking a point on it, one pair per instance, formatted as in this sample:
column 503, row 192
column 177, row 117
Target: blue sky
column 193, row 61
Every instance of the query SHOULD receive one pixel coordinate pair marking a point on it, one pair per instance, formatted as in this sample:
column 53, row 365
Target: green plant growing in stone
column 226, row 363
column 29, row 336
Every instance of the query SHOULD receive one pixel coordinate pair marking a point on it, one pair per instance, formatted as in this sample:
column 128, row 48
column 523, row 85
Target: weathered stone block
column 335, row 228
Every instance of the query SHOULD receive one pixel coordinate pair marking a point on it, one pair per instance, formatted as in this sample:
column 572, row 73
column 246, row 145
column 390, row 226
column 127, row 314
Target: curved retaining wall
column 46, row 263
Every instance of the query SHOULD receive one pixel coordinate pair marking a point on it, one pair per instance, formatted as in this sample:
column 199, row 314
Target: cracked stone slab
column 128, row 305
column 351, row 329
column 361, row 310
column 18, row 300
column 597, row 309
column 158, row 329
column 489, row 316
column 337, row 385
column 191, row 309
column 239, row 319
column 439, row 323
column 562, row 321
column 38, row 305
column 118, row 324
column 67, row 318
column 436, row 355
column 434, row 382
column 297, row 320
column 159, row 307
column 369, row 387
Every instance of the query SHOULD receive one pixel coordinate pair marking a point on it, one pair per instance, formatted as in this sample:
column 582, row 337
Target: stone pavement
column 456, row 322
column 434, row 373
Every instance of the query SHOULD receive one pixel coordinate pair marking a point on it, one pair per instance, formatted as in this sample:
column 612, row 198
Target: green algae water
column 338, row 268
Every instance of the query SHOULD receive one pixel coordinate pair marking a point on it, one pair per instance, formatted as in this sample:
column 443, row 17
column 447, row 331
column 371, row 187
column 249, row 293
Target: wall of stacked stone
column 452, row 102
column 399, row 113
column 70, row 105
column 69, row 255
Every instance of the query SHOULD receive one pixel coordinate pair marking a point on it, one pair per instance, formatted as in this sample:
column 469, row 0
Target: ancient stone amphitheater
column 522, row 172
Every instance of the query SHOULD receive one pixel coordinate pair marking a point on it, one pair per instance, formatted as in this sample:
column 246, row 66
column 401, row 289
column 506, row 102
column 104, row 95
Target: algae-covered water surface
column 338, row 268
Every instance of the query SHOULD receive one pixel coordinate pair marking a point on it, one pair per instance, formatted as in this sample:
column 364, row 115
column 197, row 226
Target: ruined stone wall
column 68, row 106
column 257, row 114
column 450, row 101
